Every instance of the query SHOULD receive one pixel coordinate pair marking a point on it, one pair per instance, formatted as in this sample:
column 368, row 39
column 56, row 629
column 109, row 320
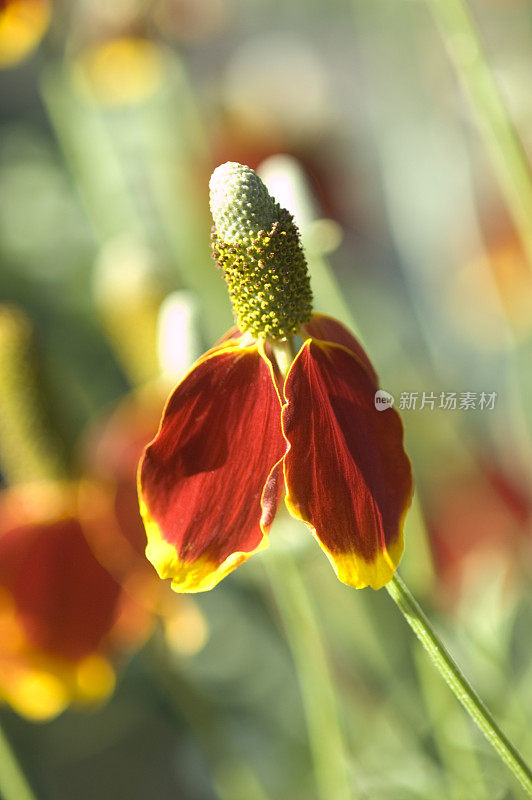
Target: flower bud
column 256, row 245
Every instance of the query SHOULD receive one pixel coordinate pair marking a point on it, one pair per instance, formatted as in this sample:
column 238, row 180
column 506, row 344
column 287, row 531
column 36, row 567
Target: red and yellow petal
column 209, row 482
column 328, row 329
column 346, row 472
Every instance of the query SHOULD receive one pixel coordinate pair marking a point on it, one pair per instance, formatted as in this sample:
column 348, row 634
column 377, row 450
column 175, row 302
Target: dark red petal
column 209, row 475
column 346, row 472
column 67, row 603
column 328, row 329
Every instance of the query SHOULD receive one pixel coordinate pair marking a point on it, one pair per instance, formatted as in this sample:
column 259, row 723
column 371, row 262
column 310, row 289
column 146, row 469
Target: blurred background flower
column 76, row 592
column 62, row 614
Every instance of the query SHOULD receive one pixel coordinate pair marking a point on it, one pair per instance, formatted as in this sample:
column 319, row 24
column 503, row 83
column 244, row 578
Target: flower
column 63, row 617
column 479, row 516
column 74, row 592
column 258, row 415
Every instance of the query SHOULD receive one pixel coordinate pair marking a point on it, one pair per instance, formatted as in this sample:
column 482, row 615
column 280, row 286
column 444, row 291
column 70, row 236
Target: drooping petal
column 328, row 329
column 346, row 472
column 208, row 483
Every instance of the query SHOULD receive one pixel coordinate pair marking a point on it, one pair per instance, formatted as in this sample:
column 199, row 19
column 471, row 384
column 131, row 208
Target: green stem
column 317, row 691
column 466, row 51
column 285, row 352
column 461, row 769
column 456, row 681
column 13, row 783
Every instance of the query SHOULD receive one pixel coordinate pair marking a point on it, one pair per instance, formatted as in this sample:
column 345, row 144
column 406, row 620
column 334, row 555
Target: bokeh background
column 398, row 132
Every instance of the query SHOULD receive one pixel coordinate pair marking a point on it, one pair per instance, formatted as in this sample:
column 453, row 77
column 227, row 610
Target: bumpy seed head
column 256, row 245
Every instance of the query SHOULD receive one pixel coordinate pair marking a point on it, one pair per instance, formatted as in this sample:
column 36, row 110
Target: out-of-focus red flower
column 63, row 618
column 483, row 514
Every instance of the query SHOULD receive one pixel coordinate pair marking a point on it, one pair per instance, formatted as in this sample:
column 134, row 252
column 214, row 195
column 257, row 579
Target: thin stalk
column 461, row 769
column 285, row 352
column 465, row 48
column 13, row 782
column 317, row 691
column 456, row 681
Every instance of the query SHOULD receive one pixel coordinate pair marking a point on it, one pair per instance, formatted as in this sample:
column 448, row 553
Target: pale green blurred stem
column 456, row 681
column 317, row 691
column 89, row 152
column 169, row 140
column 466, row 51
column 13, row 783
column 461, row 768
